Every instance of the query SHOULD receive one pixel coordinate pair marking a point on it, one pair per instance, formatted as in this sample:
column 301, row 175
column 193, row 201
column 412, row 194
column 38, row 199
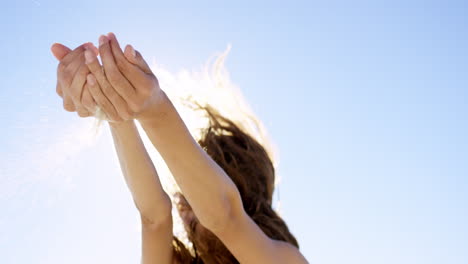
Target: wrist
column 156, row 107
column 122, row 124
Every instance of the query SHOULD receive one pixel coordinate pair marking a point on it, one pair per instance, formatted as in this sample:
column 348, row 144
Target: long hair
column 248, row 164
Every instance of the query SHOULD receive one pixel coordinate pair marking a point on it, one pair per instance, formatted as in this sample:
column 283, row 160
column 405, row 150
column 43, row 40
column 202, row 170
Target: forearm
column 208, row 189
column 139, row 172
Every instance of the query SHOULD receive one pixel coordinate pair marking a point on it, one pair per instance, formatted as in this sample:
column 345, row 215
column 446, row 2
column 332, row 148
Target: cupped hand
column 124, row 84
column 71, row 78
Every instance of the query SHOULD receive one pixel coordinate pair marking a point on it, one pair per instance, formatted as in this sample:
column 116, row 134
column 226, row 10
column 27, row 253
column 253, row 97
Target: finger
column 93, row 49
column 107, row 88
column 68, row 104
column 66, row 73
column 136, row 76
column 69, row 64
column 72, row 67
column 87, row 100
column 134, row 57
column 66, row 70
column 59, row 91
column 59, row 50
column 64, row 80
column 76, row 88
column 74, row 53
column 83, row 113
column 112, row 72
column 65, row 77
column 101, row 99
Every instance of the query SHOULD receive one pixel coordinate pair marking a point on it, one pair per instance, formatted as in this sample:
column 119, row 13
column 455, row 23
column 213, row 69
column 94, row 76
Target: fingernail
column 111, row 35
column 88, row 56
column 90, row 80
column 102, row 40
column 94, row 49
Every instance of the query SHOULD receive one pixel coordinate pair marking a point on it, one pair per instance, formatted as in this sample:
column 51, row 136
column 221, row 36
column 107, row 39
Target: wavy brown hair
column 249, row 166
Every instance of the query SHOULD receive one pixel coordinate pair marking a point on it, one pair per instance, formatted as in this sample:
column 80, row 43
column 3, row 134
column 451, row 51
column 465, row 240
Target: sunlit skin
column 125, row 88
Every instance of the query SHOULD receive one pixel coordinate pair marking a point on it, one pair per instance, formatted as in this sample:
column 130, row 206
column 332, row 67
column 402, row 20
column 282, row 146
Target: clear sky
column 366, row 101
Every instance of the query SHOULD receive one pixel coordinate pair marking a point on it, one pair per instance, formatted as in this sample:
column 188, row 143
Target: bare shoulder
column 289, row 253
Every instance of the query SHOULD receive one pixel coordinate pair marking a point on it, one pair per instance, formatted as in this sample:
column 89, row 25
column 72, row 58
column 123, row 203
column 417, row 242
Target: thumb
column 134, row 57
column 59, row 50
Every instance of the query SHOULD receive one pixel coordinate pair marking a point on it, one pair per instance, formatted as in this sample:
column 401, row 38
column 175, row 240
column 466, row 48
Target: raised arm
column 152, row 202
column 81, row 92
column 211, row 193
column 140, row 174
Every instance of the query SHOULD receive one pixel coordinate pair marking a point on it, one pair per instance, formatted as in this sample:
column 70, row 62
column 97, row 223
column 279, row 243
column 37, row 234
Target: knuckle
column 82, row 114
column 68, row 106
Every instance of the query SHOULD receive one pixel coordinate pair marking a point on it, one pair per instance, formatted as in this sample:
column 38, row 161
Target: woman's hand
column 125, row 83
column 71, row 78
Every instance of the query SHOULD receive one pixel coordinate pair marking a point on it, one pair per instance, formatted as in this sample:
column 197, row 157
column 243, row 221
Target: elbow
column 230, row 207
column 156, row 223
column 155, row 218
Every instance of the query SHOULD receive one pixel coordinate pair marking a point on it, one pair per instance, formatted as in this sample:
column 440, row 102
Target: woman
column 226, row 178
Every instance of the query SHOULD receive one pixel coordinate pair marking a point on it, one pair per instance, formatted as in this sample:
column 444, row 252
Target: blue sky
column 366, row 101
